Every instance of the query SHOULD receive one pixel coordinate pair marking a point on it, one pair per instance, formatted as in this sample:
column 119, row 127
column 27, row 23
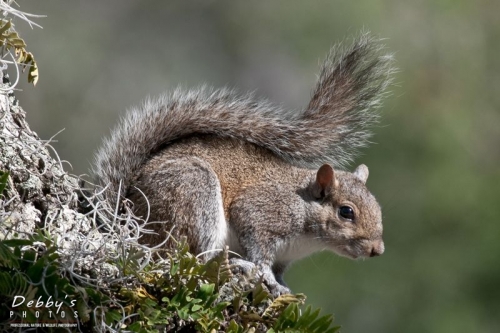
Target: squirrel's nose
column 377, row 249
column 374, row 253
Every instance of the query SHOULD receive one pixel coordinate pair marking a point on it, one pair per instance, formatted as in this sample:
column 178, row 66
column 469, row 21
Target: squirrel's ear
column 361, row 173
column 325, row 181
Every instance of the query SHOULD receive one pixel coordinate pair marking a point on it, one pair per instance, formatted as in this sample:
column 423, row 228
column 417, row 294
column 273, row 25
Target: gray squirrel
column 227, row 169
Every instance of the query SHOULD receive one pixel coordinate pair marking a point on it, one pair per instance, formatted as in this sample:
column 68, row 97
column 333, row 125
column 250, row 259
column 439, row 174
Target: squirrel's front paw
column 248, row 268
column 271, row 282
column 278, row 289
column 241, row 266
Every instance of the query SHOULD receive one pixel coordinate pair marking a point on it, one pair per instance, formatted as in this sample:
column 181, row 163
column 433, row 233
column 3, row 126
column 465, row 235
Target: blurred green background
column 434, row 167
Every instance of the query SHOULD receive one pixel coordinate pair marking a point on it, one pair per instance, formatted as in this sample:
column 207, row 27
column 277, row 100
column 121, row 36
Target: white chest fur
column 297, row 248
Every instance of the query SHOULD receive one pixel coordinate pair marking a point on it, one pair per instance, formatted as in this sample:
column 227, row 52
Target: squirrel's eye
column 346, row 212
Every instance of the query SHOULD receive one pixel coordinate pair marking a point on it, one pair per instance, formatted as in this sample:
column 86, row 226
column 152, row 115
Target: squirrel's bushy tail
column 331, row 129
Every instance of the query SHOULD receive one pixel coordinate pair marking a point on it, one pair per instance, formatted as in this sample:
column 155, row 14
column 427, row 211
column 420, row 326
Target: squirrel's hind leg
column 189, row 198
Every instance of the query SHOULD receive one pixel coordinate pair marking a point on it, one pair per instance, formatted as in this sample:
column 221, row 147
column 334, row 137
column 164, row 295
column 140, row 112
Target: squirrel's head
column 347, row 216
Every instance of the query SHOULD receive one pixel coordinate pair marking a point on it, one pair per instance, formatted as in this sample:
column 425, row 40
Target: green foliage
column 188, row 294
column 291, row 320
column 4, row 177
column 11, row 41
column 173, row 294
column 185, row 292
column 30, row 271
